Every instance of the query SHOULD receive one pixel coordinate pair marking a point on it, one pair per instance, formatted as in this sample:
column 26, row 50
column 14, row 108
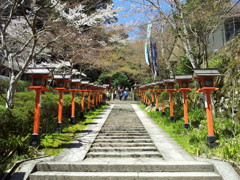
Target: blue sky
column 126, row 6
column 126, row 16
column 122, row 19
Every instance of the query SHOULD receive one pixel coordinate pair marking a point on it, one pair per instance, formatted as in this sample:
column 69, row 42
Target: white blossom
column 77, row 18
column 118, row 39
column 57, row 64
column 19, row 30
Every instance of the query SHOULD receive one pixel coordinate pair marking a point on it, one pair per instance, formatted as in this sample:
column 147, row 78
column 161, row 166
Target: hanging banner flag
column 153, row 47
column 146, row 44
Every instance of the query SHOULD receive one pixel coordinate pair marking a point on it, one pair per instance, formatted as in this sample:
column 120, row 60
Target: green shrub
column 196, row 116
column 17, row 124
column 194, row 140
column 21, row 85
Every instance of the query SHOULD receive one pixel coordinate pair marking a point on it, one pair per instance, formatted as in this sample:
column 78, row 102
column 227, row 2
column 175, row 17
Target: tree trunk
column 185, row 36
column 11, row 92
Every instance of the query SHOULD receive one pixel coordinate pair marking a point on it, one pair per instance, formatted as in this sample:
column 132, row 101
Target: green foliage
column 184, row 66
column 216, row 62
column 52, row 144
column 21, row 85
column 16, row 124
column 3, row 85
column 194, row 140
column 104, row 78
column 148, row 94
column 196, row 116
column 121, row 79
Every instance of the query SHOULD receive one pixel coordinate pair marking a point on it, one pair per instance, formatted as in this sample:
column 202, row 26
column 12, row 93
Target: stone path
column 124, row 143
column 123, row 136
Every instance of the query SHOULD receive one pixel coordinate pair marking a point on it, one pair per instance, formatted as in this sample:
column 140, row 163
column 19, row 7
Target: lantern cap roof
column 76, row 80
column 97, row 85
column 159, row 82
column 105, row 85
column 152, row 84
column 84, row 82
column 39, row 70
column 171, row 80
column 62, row 76
column 206, row 72
column 183, row 77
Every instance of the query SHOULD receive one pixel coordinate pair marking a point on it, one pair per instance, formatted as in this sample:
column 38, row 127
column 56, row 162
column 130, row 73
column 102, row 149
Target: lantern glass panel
column 208, row 82
column 162, row 87
column 37, row 81
column 73, row 86
column 60, row 84
column 200, row 83
column 45, row 82
column 185, row 84
column 171, row 86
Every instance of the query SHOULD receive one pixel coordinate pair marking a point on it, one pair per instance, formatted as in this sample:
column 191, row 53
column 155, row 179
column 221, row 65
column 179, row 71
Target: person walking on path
column 114, row 93
column 125, row 94
column 120, row 93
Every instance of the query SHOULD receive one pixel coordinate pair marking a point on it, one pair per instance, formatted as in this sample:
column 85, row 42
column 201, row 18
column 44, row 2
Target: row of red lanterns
column 40, row 78
column 205, row 78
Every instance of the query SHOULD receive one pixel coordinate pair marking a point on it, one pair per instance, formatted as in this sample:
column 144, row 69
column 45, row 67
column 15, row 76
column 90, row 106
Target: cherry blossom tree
column 26, row 32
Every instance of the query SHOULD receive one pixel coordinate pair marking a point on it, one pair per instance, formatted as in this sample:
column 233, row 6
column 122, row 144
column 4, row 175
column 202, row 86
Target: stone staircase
column 124, row 150
column 123, row 138
column 127, row 171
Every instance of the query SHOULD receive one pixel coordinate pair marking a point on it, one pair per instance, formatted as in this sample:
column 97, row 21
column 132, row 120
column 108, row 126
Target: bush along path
column 16, row 126
column 193, row 140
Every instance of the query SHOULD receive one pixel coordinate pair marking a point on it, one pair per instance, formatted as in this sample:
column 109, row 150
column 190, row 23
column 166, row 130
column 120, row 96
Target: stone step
column 124, row 140
column 166, row 166
column 122, row 131
column 123, row 137
column 123, row 134
column 124, row 176
column 124, row 124
column 107, row 144
column 122, row 149
column 135, row 154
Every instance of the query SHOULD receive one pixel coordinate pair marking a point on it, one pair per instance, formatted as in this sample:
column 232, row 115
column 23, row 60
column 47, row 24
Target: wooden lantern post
column 101, row 90
column 157, row 93
column 145, row 95
column 141, row 93
column 169, row 83
column 96, row 96
column 40, row 76
column 61, row 81
column 153, row 99
column 90, row 90
column 184, row 87
column 161, row 90
column 83, row 89
column 74, row 85
column 205, row 78
column 93, row 97
column 144, row 90
column 105, row 89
